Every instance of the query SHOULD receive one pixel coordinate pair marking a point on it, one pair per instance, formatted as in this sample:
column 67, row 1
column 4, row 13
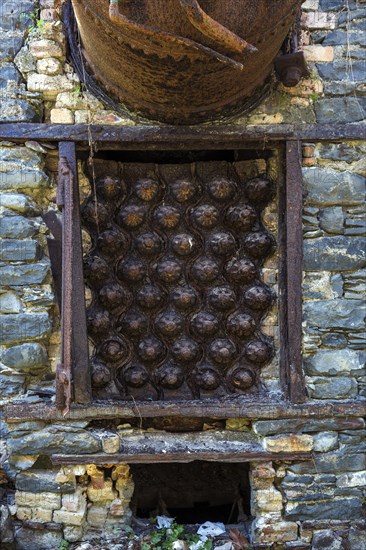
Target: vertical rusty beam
column 282, row 276
column 64, row 369
column 73, row 308
column 293, row 272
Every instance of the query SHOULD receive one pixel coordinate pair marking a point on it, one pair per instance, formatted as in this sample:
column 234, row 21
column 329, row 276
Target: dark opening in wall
column 192, row 493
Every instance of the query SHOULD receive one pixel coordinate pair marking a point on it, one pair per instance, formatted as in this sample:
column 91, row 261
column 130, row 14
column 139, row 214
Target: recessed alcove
column 192, row 493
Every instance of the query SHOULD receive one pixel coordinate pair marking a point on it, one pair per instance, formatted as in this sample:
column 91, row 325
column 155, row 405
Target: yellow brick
column 289, row 443
column 62, row 116
column 48, row 501
column 319, row 53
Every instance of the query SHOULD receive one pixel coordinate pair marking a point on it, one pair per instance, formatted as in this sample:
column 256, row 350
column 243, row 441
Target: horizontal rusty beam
column 184, row 137
column 148, row 458
column 235, row 408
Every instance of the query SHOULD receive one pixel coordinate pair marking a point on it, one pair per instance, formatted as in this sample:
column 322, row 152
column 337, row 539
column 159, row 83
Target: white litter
column 226, row 546
column 210, row 529
column 163, row 522
column 206, row 530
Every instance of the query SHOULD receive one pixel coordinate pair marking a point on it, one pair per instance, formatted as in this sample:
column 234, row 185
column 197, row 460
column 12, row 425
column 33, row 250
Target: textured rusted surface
column 174, row 271
column 294, row 247
column 181, row 61
column 166, row 138
column 236, row 407
column 65, row 202
column 291, row 68
column 73, row 371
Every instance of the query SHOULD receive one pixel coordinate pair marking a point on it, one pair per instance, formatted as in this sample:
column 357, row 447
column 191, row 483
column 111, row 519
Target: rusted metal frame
column 64, row 369
column 230, row 408
column 282, row 274
column 189, row 137
column 290, row 271
column 74, row 333
column 291, row 311
column 55, row 251
column 183, row 458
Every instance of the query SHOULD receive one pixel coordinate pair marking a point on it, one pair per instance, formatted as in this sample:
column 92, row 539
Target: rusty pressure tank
column 183, row 61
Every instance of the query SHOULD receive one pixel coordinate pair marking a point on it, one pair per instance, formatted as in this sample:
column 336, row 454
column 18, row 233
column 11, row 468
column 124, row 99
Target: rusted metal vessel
column 181, row 61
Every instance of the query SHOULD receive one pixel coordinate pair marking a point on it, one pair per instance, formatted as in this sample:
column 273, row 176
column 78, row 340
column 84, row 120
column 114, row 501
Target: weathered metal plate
column 174, row 270
column 183, row 62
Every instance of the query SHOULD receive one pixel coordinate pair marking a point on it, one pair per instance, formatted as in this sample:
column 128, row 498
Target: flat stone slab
column 163, row 446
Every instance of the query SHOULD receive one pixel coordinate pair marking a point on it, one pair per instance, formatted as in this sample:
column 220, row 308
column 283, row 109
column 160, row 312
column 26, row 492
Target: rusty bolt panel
column 174, row 271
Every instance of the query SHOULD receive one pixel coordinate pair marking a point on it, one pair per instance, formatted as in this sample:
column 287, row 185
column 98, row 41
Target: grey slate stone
column 18, row 110
column 341, row 253
column 334, row 340
column 333, row 314
column 276, row 427
column 10, row 44
column 38, row 297
column 343, row 87
column 326, row 540
column 10, row 384
column 334, row 363
column 24, row 326
column 358, row 54
column 327, row 187
column 358, row 25
column 335, row 5
column 18, row 156
column 349, row 492
column 28, row 539
column 25, row 356
column 357, row 539
column 289, row 480
column 332, row 219
column 347, row 508
column 39, row 481
column 17, row 227
column 29, row 426
column 24, row 274
column 350, row 15
column 16, row 15
column 341, row 37
column 336, row 281
column 48, row 442
column 6, row 528
column 340, row 461
column 340, row 110
column 8, row 72
column 331, row 388
column 15, row 157
column 325, row 442
column 23, row 178
column 10, row 302
column 18, row 202
column 13, row 250
column 25, row 61
column 340, row 70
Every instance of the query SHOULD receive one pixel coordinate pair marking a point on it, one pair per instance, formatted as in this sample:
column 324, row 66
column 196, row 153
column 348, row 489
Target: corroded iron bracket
column 291, row 68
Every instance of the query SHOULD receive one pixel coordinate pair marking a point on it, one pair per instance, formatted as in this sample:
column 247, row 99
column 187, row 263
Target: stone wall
column 315, row 504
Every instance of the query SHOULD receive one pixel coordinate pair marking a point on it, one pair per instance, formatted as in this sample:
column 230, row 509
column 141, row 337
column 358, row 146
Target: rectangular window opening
column 193, row 493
